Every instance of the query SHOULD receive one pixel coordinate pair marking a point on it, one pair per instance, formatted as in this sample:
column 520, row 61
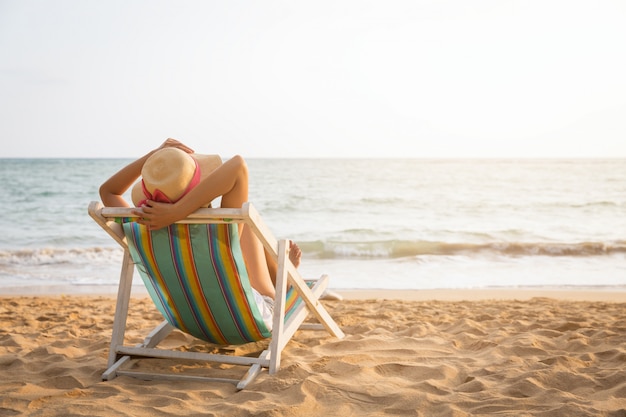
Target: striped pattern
column 196, row 276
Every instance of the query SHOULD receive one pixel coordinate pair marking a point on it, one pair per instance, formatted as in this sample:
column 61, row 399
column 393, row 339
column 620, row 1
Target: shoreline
column 485, row 294
column 607, row 294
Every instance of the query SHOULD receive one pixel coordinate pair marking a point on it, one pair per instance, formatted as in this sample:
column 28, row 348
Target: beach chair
column 195, row 274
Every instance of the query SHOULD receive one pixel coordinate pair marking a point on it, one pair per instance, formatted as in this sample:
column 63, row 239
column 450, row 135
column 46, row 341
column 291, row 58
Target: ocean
column 368, row 223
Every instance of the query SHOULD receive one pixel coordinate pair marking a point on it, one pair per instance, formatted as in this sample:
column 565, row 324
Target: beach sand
column 413, row 353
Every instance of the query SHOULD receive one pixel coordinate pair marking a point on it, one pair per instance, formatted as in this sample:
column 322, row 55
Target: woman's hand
column 173, row 143
column 157, row 215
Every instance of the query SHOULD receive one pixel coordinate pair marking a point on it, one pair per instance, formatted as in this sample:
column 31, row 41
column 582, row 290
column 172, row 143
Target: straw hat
column 170, row 173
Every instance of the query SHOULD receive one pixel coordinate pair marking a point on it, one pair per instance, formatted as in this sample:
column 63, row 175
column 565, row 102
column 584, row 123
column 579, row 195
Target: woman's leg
column 256, row 263
column 252, row 248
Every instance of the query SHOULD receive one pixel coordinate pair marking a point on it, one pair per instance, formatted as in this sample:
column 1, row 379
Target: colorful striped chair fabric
column 196, row 276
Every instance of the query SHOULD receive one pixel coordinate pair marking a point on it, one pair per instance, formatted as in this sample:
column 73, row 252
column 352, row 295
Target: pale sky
column 337, row 78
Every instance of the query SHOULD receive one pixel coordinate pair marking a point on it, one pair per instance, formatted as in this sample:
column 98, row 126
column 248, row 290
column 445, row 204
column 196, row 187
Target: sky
column 323, row 78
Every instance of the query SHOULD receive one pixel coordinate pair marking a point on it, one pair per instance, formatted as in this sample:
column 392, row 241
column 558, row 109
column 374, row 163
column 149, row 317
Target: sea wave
column 402, row 248
column 58, row 256
column 391, row 249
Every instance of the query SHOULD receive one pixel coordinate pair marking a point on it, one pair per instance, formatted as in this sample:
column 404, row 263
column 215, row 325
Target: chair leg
column 152, row 340
column 278, row 325
column 253, row 372
column 111, row 372
column 121, row 308
column 313, row 303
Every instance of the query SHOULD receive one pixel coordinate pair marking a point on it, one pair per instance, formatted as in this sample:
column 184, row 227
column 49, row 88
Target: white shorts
column 266, row 307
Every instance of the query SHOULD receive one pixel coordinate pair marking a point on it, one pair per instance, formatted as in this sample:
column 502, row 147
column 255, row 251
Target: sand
column 406, row 353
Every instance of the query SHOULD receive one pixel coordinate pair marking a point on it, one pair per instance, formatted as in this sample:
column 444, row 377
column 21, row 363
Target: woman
column 229, row 180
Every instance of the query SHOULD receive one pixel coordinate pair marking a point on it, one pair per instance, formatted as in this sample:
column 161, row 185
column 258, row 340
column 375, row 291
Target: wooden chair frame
column 121, row 355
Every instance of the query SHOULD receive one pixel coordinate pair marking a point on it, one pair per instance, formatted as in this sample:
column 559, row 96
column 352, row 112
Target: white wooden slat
column 149, row 376
column 197, row 356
